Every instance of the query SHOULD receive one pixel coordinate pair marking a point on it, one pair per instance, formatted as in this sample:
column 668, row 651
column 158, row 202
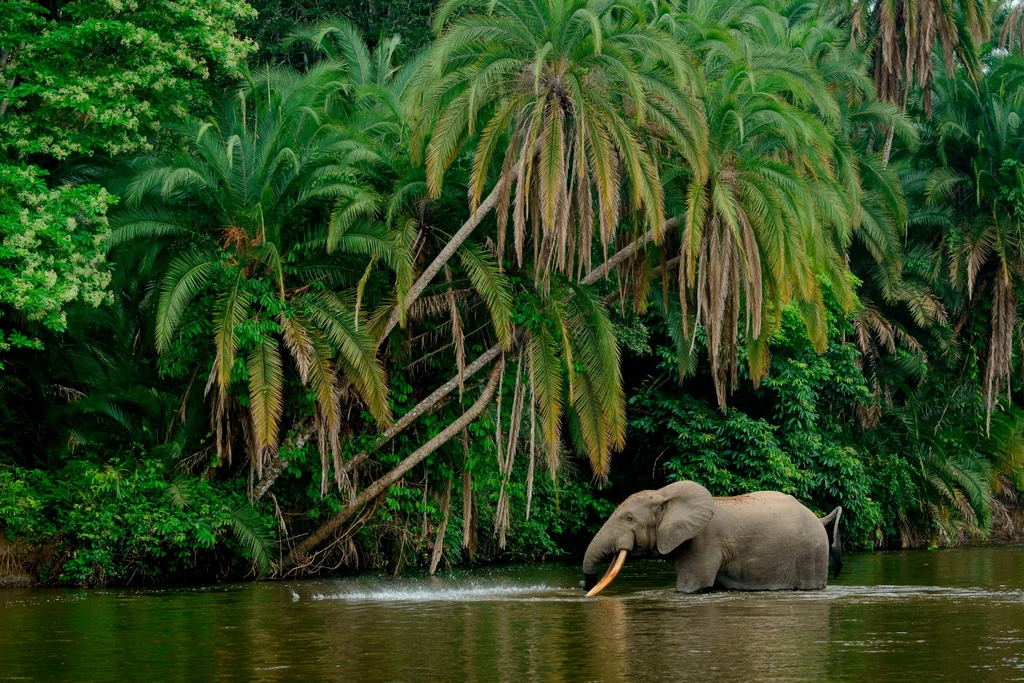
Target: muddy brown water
column 953, row 615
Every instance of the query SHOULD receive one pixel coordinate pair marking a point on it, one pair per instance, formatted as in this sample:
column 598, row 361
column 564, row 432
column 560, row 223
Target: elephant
column 758, row 541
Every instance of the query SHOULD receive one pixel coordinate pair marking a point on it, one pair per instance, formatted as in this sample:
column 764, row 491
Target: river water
column 905, row 616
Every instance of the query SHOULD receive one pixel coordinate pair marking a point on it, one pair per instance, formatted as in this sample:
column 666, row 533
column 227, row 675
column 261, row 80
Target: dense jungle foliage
column 288, row 287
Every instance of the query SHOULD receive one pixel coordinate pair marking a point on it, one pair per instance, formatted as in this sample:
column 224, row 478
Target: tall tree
column 89, row 79
column 902, row 37
column 269, row 216
column 81, row 78
column 570, row 97
column 980, row 181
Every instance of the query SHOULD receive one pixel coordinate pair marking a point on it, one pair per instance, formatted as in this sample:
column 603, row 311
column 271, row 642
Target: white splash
column 440, row 593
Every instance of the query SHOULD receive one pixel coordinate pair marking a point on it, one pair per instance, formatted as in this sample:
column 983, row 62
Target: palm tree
column 980, row 143
column 1011, row 31
column 270, row 216
column 890, row 284
column 594, row 391
column 903, row 36
column 570, row 96
column 783, row 194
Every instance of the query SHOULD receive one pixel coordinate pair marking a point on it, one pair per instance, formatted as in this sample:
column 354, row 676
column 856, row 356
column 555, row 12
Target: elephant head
column 648, row 522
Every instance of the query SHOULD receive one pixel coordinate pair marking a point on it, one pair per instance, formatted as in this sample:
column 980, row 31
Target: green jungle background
column 289, row 287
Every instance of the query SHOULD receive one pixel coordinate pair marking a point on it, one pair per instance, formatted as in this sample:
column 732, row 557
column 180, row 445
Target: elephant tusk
column 612, row 572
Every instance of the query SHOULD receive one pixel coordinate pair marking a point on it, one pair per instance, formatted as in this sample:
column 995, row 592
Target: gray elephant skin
column 759, row 541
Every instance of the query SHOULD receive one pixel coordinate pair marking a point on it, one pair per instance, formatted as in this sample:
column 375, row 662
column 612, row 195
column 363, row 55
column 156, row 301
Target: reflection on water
column 908, row 616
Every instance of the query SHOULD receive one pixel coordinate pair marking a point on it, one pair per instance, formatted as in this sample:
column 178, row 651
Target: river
column 900, row 616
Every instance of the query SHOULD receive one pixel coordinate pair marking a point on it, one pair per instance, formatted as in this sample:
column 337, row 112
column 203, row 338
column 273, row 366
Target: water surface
column 905, row 616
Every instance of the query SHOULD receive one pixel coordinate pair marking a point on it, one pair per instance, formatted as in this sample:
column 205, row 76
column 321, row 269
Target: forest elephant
column 759, row 541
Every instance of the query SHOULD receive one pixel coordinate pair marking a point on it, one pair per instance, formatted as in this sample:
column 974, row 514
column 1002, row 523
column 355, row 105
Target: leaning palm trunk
column 274, row 470
column 625, row 254
column 442, row 392
column 328, row 528
column 426, row 405
column 435, row 398
column 440, row 260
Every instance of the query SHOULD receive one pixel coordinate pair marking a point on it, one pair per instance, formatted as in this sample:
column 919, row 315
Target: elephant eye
column 629, row 518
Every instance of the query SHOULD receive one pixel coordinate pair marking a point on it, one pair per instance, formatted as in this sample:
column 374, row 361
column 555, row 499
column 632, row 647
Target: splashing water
column 440, row 592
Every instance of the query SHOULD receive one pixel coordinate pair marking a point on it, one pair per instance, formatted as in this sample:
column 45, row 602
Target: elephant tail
column 835, row 543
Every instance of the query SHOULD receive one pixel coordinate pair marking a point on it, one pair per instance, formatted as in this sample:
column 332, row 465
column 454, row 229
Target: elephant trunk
column 601, row 548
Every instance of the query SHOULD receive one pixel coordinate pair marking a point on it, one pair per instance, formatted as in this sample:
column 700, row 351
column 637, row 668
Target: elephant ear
column 686, row 509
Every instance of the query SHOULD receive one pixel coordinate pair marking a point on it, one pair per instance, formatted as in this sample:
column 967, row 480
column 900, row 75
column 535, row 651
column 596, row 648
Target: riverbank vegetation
column 285, row 289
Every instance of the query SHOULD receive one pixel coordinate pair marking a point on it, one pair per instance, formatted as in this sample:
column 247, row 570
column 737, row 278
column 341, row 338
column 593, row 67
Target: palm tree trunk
column 626, row 252
column 279, row 464
column 438, row 263
column 427, row 404
column 888, row 147
column 328, row 528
